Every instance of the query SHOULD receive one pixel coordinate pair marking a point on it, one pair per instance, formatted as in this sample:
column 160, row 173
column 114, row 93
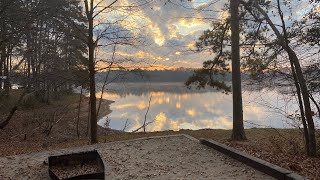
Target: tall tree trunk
column 79, row 108
column 2, row 63
column 28, row 56
column 238, row 133
column 306, row 101
column 91, row 46
column 3, row 51
column 6, row 73
column 296, row 82
column 303, row 117
column 302, row 82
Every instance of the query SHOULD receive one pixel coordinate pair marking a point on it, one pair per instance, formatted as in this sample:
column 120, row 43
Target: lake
column 174, row 107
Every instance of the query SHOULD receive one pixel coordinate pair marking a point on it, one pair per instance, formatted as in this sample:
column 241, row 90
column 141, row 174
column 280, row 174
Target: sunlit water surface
column 174, row 107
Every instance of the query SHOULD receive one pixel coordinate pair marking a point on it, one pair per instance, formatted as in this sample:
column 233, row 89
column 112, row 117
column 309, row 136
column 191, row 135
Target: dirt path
column 175, row 157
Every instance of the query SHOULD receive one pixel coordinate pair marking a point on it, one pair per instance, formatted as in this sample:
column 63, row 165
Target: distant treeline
column 149, row 76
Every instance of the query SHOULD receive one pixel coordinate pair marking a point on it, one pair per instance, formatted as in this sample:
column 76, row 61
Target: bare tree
column 145, row 116
column 109, row 35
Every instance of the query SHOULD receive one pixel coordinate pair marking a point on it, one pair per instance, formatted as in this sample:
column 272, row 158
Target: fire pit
column 84, row 165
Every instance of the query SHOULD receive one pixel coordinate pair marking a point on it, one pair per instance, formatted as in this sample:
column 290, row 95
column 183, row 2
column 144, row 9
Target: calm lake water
column 175, row 107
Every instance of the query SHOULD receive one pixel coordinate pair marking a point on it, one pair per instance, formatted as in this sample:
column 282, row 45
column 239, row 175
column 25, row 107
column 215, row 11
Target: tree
column 216, row 39
column 92, row 44
column 238, row 128
column 10, row 32
column 41, row 49
column 102, row 33
column 283, row 40
column 262, row 45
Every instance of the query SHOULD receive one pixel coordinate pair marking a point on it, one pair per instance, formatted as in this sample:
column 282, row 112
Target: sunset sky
column 167, row 30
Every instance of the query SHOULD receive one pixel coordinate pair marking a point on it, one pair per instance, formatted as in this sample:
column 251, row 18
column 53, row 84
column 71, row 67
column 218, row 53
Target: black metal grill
column 77, row 159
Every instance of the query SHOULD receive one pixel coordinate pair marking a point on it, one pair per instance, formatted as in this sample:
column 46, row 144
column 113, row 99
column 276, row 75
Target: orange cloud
column 191, row 112
column 160, row 121
column 140, row 105
column 178, row 105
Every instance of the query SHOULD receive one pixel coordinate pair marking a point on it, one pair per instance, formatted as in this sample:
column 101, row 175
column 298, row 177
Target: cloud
column 191, row 112
column 166, row 31
column 159, row 122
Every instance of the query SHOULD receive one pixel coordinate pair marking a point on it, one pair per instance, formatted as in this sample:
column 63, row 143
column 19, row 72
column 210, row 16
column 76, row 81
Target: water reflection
column 195, row 110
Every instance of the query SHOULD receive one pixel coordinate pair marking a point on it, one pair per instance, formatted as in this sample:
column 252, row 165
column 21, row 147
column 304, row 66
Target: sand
column 172, row 157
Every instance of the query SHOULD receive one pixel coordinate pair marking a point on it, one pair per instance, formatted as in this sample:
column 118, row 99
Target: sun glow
column 191, row 112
